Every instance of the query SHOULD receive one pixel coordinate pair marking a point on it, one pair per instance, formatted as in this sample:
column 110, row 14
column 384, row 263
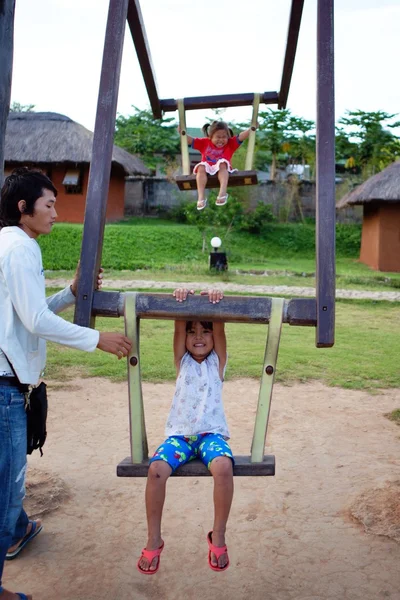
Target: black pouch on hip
column 36, row 416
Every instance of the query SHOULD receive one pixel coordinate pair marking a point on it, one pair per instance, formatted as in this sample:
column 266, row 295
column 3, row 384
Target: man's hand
column 74, row 284
column 114, row 343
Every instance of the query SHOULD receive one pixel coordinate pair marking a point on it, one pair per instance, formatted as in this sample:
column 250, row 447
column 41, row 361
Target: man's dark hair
column 23, row 184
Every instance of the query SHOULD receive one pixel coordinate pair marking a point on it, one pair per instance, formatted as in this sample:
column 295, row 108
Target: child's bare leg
column 222, row 472
column 223, row 178
column 159, row 471
column 201, row 180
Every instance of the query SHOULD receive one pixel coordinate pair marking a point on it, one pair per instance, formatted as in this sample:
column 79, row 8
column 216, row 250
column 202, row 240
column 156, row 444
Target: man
column 28, row 319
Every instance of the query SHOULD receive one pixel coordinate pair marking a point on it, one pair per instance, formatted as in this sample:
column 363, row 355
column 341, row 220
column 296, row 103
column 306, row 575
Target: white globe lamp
column 216, row 243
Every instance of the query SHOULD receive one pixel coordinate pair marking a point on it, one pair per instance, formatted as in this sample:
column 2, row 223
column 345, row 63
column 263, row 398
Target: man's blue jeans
column 20, row 528
column 12, row 465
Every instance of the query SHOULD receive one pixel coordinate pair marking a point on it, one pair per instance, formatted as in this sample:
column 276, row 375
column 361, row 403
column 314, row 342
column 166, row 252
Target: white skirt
column 213, row 169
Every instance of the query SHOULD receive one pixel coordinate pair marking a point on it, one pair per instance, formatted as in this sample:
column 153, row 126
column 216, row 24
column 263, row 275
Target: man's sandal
column 150, row 555
column 217, row 551
column 201, row 204
column 222, row 200
column 35, row 529
column 22, row 596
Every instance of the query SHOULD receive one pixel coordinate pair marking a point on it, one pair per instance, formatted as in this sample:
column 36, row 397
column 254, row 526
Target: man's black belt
column 14, row 382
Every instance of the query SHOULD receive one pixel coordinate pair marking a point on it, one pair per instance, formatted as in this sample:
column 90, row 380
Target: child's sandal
column 222, row 200
column 201, row 204
column 217, row 551
column 150, row 555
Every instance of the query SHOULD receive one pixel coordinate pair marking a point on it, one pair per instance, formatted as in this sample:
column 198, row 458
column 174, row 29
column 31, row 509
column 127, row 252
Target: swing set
column 318, row 312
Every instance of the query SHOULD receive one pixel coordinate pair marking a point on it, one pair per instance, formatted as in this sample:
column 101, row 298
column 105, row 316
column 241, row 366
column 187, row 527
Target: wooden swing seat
column 195, row 468
column 239, row 178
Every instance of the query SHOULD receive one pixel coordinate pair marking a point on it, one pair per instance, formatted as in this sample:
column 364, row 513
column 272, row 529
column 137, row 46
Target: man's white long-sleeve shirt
column 27, row 317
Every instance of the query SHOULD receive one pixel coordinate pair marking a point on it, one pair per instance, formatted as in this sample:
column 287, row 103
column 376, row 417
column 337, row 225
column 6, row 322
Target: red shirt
column 211, row 154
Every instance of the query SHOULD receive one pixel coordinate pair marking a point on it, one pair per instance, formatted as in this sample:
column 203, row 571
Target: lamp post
column 218, row 260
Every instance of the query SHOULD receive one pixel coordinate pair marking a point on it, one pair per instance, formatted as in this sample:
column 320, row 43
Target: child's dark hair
column 210, row 128
column 23, row 184
column 205, row 324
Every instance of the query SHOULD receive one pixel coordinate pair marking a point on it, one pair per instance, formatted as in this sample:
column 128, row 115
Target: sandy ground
column 290, row 537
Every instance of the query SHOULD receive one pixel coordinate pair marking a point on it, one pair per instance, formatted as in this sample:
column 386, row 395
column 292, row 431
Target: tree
column 375, row 147
column 17, row 107
column 273, row 125
column 301, row 144
column 344, row 147
column 148, row 137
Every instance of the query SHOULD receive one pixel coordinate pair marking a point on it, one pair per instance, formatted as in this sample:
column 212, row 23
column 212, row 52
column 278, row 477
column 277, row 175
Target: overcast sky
column 204, row 48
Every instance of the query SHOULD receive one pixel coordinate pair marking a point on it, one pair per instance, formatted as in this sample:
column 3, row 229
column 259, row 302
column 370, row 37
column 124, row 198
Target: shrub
column 177, row 213
column 348, row 239
column 254, row 221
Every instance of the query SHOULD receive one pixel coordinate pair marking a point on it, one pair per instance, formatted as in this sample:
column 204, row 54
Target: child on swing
column 217, row 149
column 196, row 427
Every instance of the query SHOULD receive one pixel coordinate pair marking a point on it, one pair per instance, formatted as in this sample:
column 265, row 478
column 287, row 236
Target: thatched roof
column 47, row 137
column 382, row 187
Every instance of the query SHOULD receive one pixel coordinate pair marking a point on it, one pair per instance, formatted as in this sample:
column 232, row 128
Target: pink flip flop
column 150, row 554
column 218, row 551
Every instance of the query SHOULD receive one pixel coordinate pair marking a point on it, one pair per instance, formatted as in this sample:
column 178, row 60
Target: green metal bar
column 252, row 137
column 139, row 448
column 183, row 134
column 267, row 380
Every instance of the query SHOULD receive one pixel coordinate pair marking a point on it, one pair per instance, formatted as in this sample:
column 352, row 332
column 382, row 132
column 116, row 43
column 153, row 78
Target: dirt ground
column 326, row 527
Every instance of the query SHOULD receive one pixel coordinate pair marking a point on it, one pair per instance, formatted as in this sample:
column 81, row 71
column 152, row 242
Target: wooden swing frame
column 318, row 312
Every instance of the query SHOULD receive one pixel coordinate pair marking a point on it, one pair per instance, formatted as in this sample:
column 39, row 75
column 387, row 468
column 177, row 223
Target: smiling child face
column 220, row 138
column 199, row 341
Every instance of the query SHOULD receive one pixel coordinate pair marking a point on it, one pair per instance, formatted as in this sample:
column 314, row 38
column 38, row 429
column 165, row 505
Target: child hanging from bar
column 217, row 149
column 196, row 427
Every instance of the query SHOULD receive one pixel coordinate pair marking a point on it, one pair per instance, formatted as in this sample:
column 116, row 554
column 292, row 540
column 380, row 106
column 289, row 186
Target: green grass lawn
column 161, row 250
column 365, row 355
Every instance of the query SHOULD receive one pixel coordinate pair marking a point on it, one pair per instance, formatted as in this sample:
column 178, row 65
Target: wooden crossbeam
column 222, row 101
column 234, row 309
column 195, row 468
column 240, row 178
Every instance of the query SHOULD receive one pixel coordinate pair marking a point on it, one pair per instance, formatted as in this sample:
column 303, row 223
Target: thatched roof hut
column 47, row 137
column 63, row 150
column 380, row 239
column 382, row 187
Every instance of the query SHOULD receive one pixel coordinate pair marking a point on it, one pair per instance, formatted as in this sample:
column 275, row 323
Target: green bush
column 254, row 221
column 230, row 216
column 177, row 213
column 348, row 239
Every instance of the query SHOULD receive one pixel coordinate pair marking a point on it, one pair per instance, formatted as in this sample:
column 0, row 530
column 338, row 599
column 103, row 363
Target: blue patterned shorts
column 180, row 449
